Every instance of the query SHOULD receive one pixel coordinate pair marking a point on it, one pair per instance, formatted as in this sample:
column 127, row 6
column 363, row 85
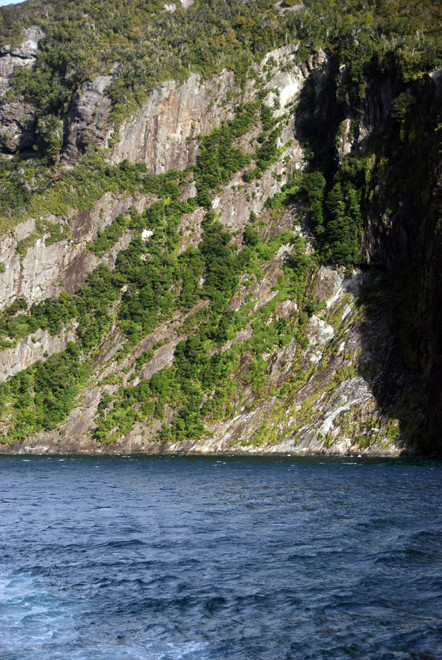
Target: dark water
column 238, row 558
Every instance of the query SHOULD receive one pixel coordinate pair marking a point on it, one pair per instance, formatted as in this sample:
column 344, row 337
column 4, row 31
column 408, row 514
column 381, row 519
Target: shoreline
column 265, row 452
column 49, row 444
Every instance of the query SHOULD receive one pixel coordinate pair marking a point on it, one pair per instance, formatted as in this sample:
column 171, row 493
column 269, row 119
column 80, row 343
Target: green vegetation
column 341, row 236
column 218, row 160
column 152, row 282
column 200, row 370
column 84, row 39
column 40, row 397
column 76, row 189
column 142, row 45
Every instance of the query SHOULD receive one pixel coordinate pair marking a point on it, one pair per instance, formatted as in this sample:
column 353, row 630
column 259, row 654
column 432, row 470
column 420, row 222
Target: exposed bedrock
column 48, row 268
column 162, row 133
column 17, row 117
column 87, row 121
column 333, row 411
column 334, row 400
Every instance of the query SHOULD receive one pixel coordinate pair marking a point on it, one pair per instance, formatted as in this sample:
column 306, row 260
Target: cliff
column 247, row 262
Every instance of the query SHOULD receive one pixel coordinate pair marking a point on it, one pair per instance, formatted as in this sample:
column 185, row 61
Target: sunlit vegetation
column 149, row 283
column 142, row 45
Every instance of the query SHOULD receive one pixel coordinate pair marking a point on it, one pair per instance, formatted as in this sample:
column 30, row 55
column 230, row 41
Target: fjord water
column 206, row 558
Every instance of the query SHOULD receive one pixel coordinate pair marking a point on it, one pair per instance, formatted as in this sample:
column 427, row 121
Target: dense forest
column 368, row 154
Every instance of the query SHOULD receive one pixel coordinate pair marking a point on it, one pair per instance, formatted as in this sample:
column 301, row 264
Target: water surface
column 168, row 558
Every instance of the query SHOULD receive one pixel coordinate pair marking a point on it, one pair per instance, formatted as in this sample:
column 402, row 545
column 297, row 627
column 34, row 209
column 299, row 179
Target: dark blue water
column 239, row 558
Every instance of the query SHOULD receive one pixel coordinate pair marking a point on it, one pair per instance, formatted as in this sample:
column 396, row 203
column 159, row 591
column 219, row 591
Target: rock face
column 159, row 136
column 171, row 7
column 87, row 121
column 24, row 55
column 333, row 411
column 31, row 349
column 322, row 395
column 16, row 127
column 162, row 133
column 334, row 407
column 174, row 113
column 392, row 236
column 17, row 117
column 47, row 269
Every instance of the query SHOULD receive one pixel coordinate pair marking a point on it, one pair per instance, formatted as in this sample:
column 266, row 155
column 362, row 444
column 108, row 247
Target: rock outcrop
column 161, row 134
column 47, row 269
column 324, row 391
column 333, row 410
column 31, row 349
column 87, row 121
column 17, row 118
column 25, row 55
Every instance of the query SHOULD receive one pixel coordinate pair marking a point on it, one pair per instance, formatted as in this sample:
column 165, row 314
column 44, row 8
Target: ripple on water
column 163, row 559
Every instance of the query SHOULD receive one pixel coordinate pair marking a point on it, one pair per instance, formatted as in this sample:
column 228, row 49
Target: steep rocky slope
column 178, row 288
column 17, row 116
